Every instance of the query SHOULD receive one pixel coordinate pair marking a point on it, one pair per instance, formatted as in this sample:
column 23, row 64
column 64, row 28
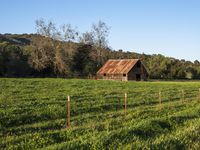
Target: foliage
column 83, row 64
column 13, row 62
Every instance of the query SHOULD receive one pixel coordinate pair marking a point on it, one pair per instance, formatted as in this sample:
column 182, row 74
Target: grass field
column 33, row 114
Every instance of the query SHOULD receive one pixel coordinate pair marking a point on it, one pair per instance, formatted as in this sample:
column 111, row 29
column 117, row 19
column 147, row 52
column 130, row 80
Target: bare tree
column 69, row 33
column 47, row 29
column 49, row 51
column 100, row 32
column 44, row 45
column 87, row 38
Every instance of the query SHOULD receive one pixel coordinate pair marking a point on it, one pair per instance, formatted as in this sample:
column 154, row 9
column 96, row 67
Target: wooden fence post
column 68, row 114
column 125, row 101
column 183, row 96
column 160, row 98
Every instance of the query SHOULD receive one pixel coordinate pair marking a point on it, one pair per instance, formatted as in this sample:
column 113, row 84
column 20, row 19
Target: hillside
column 69, row 59
column 17, row 39
column 33, row 114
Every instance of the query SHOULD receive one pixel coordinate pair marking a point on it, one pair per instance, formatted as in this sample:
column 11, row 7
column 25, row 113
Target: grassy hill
column 33, row 114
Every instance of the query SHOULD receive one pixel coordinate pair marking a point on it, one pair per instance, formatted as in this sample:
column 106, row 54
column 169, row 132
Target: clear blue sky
column 168, row 27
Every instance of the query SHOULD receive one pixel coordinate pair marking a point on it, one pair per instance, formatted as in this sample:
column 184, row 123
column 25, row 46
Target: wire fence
column 115, row 101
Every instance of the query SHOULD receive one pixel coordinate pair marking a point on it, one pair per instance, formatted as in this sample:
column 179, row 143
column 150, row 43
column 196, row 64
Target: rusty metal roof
column 117, row 66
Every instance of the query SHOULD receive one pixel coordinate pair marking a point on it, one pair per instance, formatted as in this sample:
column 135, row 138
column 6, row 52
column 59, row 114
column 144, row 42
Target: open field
column 33, row 114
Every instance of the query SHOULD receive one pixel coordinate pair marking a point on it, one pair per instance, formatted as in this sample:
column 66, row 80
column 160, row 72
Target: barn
column 123, row 70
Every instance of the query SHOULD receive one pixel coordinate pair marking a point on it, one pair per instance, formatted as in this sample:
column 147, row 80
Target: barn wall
column 119, row 77
column 135, row 70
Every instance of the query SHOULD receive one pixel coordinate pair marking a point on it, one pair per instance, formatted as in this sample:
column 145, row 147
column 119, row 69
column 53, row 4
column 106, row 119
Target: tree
column 42, row 53
column 83, row 64
column 100, row 32
column 196, row 62
column 13, row 63
column 62, row 61
column 68, row 33
column 181, row 74
column 3, row 46
column 47, row 29
column 43, row 48
column 87, row 38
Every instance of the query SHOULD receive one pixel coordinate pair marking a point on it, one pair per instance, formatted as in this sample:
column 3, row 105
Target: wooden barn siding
column 119, row 77
column 135, row 70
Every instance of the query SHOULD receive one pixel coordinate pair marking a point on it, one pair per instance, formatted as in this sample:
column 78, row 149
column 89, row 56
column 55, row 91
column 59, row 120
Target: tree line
column 65, row 52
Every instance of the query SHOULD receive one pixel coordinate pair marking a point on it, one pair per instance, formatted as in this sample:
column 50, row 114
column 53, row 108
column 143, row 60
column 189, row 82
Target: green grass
column 33, row 114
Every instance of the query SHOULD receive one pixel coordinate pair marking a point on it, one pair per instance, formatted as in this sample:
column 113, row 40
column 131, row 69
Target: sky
column 167, row 27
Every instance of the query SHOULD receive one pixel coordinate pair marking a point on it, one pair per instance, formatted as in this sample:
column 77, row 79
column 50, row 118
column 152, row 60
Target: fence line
column 160, row 94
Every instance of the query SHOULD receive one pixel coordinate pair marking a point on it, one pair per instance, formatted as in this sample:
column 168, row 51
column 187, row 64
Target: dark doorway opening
column 138, row 77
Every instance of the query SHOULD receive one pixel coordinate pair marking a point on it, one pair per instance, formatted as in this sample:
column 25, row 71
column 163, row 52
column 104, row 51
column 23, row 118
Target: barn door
column 138, row 77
